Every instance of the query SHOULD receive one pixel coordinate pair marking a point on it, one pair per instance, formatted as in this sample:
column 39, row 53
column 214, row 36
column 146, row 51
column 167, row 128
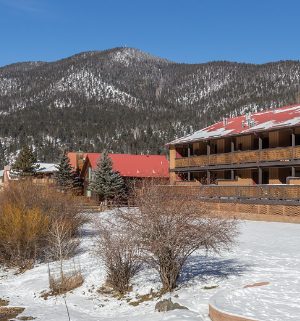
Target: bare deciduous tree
column 169, row 228
column 62, row 247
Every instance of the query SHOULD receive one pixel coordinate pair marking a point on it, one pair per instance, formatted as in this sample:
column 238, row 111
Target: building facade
column 255, row 149
column 247, row 166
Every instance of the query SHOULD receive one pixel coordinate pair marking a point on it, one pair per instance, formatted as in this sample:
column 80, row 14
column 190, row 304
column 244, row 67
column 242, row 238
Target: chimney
column 6, row 174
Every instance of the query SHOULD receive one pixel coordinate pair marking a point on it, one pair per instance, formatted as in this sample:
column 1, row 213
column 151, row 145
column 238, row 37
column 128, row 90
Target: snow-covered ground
column 266, row 252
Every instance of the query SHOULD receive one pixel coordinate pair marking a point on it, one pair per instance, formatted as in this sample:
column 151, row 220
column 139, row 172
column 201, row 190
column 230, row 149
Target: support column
column 189, row 176
column 259, row 175
column 293, row 142
column 293, row 138
column 232, row 146
column 208, row 177
column 189, row 151
column 293, row 171
column 232, row 174
column 260, row 143
column 208, row 148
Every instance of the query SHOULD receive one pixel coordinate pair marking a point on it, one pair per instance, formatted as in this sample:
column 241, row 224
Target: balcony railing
column 271, row 192
column 256, row 192
column 240, row 157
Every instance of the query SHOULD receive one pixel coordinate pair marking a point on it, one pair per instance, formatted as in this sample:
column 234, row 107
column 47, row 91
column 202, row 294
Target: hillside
column 128, row 101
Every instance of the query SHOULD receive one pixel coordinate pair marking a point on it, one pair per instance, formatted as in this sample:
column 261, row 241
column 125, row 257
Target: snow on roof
column 287, row 116
column 135, row 165
column 46, row 168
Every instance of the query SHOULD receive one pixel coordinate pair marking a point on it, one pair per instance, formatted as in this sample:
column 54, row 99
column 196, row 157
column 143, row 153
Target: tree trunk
column 169, row 276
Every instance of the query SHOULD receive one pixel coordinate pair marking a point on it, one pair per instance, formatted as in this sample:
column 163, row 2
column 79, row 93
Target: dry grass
column 8, row 313
column 146, row 297
column 65, row 283
column 3, row 302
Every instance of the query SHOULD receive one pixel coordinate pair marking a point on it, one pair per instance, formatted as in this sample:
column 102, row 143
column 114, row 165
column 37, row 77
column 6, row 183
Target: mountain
column 128, row 101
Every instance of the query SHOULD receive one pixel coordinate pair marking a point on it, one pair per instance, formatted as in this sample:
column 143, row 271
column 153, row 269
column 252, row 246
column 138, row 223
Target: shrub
column 169, row 228
column 120, row 253
column 22, row 232
column 64, row 283
column 28, row 213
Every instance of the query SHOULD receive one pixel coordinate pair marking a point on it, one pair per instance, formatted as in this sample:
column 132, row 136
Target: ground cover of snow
column 266, row 252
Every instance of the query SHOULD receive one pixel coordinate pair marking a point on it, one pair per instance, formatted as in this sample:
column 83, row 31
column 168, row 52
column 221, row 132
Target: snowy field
column 266, row 252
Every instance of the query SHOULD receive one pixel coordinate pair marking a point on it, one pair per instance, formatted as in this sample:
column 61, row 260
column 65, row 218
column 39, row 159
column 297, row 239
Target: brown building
column 259, row 148
column 248, row 164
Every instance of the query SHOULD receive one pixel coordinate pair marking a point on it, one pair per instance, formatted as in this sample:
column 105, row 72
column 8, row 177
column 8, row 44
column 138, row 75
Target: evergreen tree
column 2, row 156
column 65, row 175
column 107, row 183
column 77, row 184
column 25, row 164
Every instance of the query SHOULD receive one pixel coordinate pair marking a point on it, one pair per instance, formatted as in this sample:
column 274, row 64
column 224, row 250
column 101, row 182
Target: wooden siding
column 252, row 156
column 263, row 192
column 273, row 203
column 271, row 192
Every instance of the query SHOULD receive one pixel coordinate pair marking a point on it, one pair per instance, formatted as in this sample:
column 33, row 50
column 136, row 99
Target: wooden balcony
column 270, row 192
column 286, row 193
column 240, row 157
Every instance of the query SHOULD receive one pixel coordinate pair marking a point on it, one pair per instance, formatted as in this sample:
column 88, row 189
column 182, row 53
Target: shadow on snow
column 203, row 267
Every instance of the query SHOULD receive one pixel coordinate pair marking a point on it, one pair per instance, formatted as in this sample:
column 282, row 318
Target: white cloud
column 23, row 5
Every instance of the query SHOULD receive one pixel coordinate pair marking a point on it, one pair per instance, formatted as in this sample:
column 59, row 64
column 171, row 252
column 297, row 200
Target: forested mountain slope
column 128, row 101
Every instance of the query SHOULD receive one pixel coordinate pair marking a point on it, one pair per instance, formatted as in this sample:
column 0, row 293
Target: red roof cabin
column 133, row 168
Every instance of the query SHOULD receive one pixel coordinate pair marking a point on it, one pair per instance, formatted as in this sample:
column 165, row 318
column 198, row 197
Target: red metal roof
column 75, row 158
column 287, row 116
column 140, row 166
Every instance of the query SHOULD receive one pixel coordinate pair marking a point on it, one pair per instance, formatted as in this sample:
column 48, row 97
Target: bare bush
column 62, row 284
column 120, row 253
column 28, row 214
column 170, row 228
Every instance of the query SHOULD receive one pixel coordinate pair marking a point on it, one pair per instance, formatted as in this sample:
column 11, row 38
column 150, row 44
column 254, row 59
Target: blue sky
column 191, row 31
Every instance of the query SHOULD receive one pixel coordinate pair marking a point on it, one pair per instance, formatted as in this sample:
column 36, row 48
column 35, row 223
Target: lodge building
column 248, row 164
column 254, row 149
